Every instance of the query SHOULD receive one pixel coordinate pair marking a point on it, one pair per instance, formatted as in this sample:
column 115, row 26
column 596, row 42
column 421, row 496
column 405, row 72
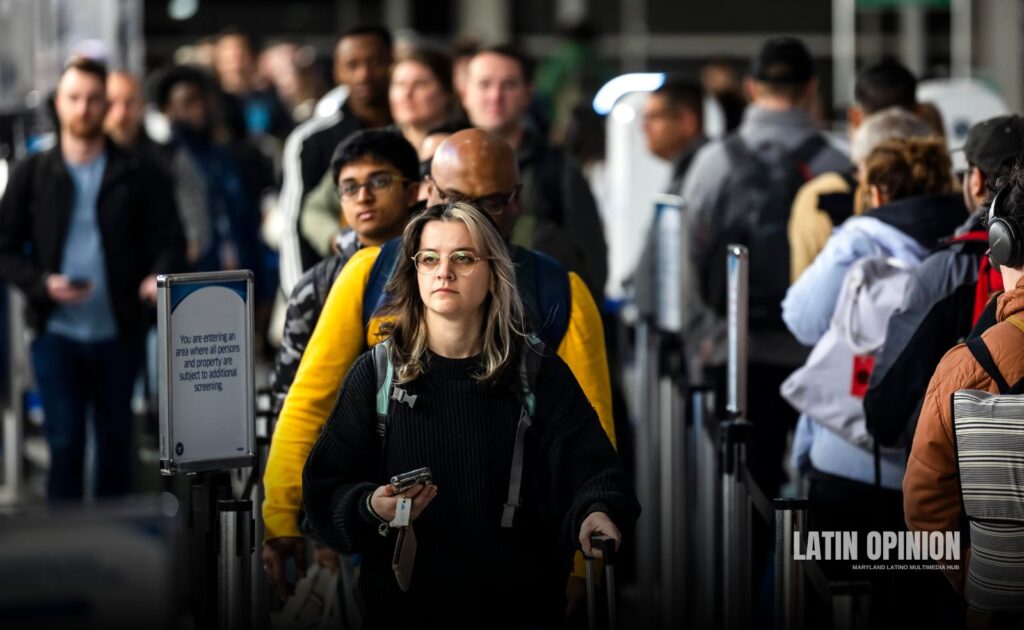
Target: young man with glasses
column 473, row 165
column 376, row 174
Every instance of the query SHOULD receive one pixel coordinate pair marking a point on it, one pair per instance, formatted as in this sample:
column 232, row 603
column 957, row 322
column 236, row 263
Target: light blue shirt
column 92, row 320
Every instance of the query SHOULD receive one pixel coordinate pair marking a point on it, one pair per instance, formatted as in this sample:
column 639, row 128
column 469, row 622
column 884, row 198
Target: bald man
column 123, row 122
column 471, row 165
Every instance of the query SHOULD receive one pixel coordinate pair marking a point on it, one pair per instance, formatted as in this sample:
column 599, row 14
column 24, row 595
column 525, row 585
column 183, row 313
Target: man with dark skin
column 362, row 60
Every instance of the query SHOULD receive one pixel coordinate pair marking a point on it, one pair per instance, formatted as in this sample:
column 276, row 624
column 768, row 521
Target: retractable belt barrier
column 662, row 479
column 722, row 500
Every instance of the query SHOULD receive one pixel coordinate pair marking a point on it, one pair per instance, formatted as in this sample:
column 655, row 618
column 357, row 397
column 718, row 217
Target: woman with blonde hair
column 491, row 552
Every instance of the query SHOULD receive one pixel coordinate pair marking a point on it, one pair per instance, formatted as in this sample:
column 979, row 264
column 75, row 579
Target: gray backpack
column 830, row 386
column 988, row 432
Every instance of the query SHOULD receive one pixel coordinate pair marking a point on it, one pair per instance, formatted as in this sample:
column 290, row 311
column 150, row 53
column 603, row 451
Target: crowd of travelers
column 439, row 266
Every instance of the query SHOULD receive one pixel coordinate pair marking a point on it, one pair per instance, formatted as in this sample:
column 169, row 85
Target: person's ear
column 976, row 183
column 877, row 196
column 810, row 93
column 433, row 197
column 691, row 123
column 750, row 89
column 854, row 116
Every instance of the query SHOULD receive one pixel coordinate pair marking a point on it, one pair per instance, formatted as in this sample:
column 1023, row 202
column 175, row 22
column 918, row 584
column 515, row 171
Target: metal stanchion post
column 673, row 481
column 647, row 468
column 736, row 581
column 13, row 436
column 706, row 514
column 737, row 272
column 789, row 574
column 234, row 564
column 262, row 589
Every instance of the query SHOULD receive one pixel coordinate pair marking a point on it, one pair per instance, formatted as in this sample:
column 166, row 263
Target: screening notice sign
column 204, row 324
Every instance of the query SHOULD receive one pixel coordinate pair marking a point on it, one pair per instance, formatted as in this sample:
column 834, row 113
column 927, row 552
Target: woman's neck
column 454, row 338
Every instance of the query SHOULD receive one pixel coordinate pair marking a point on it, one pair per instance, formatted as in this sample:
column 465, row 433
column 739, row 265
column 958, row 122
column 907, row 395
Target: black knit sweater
column 468, row 571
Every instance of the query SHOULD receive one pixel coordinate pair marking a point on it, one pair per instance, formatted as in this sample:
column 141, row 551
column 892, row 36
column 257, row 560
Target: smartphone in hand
column 80, row 283
column 400, row 483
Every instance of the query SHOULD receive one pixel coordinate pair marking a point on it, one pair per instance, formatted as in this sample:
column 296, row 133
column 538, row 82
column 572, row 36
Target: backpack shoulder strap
column 546, row 292
column 850, row 177
column 529, row 365
column 374, row 295
column 984, row 358
column 385, row 372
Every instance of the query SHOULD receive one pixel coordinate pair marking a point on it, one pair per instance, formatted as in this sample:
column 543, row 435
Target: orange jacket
column 931, row 487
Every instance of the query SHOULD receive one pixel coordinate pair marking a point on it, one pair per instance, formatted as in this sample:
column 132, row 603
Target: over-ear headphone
column 1004, row 245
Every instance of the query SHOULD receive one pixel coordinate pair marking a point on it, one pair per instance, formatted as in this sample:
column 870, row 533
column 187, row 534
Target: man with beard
column 84, row 230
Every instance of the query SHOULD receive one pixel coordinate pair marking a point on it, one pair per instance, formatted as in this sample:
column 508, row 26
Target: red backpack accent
column 989, row 278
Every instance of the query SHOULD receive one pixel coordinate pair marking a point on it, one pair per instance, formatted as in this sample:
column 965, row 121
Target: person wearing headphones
column 933, row 496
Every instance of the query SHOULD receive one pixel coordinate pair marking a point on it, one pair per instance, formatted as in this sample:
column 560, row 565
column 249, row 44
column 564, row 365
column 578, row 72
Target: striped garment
column 989, row 435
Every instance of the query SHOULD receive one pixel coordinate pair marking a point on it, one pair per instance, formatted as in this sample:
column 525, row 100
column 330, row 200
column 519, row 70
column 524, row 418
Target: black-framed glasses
column 494, row 204
column 461, row 262
column 378, row 182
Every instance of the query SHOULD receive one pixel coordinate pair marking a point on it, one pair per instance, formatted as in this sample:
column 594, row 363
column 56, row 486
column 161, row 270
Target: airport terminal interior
column 517, row 314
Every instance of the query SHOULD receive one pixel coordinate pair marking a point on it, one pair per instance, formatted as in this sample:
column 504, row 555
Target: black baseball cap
column 993, row 143
column 783, row 61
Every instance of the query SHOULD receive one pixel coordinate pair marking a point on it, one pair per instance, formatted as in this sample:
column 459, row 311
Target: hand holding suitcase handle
column 598, row 544
column 599, row 525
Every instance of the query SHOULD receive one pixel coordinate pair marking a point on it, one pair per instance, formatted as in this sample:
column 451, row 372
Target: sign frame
column 170, row 462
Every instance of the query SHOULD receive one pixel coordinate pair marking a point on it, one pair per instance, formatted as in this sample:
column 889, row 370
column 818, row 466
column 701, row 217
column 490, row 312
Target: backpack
column 755, row 212
column 529, row 364
column 542, row 281
column 988, row 433
column 989, row 278
column 831, row 385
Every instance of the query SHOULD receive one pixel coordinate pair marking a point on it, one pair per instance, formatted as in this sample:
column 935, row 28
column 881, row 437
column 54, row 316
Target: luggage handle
column 606, row 545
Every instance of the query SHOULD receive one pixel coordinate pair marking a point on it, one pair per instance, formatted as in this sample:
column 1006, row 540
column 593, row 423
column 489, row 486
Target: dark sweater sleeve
column 338, row 474
column 586, row 472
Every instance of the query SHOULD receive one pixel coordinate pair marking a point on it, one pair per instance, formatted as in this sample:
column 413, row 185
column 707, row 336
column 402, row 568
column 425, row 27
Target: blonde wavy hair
column 403, row 314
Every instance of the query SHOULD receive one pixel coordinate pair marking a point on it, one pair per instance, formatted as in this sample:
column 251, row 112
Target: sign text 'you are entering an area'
column 205, row 323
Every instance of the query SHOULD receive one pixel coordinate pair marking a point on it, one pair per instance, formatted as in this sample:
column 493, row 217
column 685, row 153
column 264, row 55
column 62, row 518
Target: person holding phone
column 85, row 228
column 456, row 343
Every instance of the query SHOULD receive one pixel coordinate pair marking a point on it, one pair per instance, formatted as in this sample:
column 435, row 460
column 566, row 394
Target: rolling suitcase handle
column 607, row 547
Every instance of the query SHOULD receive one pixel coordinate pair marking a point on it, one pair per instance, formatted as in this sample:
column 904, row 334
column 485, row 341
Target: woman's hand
column 598, row 523
column 385, row 502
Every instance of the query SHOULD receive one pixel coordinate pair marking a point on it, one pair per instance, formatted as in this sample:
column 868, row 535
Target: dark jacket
column 936, row 314
column 558, row 214
column 138, row 224
column 307, row 156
